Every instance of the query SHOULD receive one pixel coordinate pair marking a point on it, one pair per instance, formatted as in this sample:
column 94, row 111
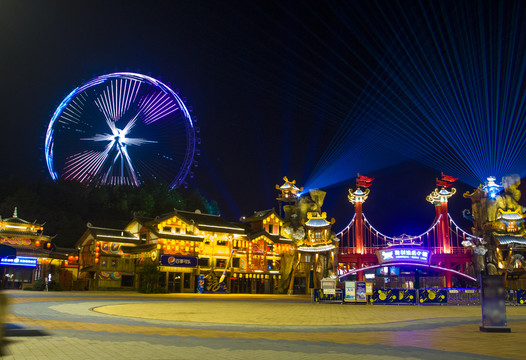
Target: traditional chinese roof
column 171, row 236
column 138, row 249
column 16, row 220
column 289, row 185
column 317, row 222
column 115, row 235
column 205, row 222
column 316, row 249
column 510, row 240
column 274, row 238
column 260, row 215
column 510, row 216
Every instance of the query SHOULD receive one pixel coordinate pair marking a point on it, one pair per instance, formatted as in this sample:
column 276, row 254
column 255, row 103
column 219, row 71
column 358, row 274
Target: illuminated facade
column 498, row 221
column 28, row 255
column 102, row 263
column 266, row 250
column 186, row 246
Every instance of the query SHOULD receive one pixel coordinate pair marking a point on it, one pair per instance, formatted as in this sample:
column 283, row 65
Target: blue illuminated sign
column 421, row 256
column 19, row 261
column 179, row 261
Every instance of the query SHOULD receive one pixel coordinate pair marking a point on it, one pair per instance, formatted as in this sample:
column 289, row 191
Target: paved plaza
column 117, row 325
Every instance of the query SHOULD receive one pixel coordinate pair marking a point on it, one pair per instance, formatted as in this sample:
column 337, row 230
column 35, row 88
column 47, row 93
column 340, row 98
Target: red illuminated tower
column 357, row 198
column 439, row 198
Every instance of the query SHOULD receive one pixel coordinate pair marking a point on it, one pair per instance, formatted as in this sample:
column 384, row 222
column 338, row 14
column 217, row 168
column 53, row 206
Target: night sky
column 270, row 82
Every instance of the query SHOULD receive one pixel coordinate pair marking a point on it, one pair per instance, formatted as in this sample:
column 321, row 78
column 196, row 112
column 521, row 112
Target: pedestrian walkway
column 116, row 325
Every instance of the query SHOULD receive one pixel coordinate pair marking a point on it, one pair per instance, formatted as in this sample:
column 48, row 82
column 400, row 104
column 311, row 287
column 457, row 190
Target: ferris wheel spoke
column 80, row 166
column 100, row 137
column 104, row 110
column 110, row 167
column 130, row 166
column 156, row 106
column 163, row 111
column 139, row 141
column 101, row 159
column 83, row 164
column 130, row 125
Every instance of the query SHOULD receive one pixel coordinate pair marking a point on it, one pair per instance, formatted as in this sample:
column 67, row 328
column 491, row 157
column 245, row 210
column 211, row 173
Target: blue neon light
column 413, row 255
column 19, row 261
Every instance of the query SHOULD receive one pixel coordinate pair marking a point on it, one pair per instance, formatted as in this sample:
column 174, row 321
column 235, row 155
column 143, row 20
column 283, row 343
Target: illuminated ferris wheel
column 121, row 129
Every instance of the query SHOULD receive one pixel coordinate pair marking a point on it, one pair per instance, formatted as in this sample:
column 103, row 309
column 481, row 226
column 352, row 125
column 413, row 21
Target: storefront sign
column 179, row 261
column 350, row 291
column 19, row 261
column 421, row 256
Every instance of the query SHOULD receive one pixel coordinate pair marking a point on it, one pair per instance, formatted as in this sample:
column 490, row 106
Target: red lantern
column 48, row 245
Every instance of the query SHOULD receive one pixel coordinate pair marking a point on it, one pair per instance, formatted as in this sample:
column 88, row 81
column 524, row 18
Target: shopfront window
column 220, row 263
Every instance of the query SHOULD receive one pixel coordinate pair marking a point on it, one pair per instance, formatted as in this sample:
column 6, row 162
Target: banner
column 432, row 296
column 361, row 293
column 350, row 291
column 394, row 296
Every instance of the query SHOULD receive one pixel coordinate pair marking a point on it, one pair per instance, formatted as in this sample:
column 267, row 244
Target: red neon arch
column 354, row 271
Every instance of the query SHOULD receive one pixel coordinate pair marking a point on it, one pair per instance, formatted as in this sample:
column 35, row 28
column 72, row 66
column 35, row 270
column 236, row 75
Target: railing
column 353, row 250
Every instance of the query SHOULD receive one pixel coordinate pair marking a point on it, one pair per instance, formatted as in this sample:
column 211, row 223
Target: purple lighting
column 119, row 129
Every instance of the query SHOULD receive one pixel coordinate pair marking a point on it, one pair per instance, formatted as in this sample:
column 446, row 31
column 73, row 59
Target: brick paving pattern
column 82, row 325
